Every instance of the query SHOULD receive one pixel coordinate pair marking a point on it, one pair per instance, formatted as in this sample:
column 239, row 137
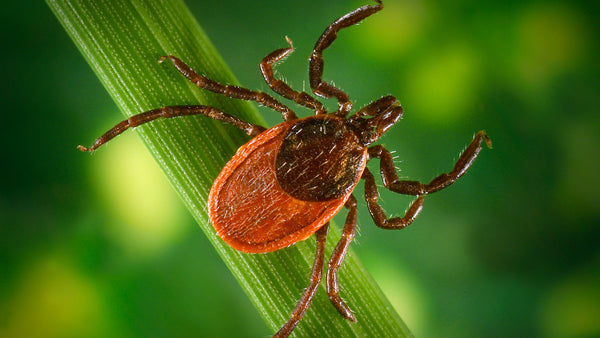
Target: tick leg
column 315, row 69
column 337, row 257
column 309, row 293
column 377, row 213
column 231, row 91
column 280, row 87
column 392, row 182
column 169, row 112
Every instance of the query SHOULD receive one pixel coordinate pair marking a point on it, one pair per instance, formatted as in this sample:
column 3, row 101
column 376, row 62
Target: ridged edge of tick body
column 230, row 233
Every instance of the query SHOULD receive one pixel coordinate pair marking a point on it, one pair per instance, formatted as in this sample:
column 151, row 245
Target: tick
column 288, row 181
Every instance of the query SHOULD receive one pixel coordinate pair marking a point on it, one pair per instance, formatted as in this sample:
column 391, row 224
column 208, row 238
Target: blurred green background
column 511, row 249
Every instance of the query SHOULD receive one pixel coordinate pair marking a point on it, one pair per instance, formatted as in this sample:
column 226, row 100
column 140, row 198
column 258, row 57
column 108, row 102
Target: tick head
column 375, row 119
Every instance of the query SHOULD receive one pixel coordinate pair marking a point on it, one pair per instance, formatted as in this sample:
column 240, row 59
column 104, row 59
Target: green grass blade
column 122, row 41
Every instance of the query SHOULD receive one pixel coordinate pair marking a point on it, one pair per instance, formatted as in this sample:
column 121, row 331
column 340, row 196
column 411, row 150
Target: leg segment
column 381, row 220
column 280, row 87
column 315, row 70
column 392, row 182
column 309, row 293
column 169, row 112
column 231, row 91
column 337, row 257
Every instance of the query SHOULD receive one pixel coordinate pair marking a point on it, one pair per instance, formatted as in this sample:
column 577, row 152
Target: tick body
column 284, row 184
column 288, row 181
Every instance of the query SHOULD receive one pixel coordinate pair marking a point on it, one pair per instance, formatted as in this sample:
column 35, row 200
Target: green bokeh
column 511, row 249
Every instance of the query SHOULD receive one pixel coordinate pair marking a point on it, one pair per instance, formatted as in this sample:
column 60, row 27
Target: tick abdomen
column 250, row 210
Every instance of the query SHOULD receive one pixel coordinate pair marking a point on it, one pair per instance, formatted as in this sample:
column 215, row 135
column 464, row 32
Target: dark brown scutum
column 319, row 159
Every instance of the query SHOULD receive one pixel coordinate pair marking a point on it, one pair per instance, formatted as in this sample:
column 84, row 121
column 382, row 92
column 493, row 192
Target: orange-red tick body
column 252, row 204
